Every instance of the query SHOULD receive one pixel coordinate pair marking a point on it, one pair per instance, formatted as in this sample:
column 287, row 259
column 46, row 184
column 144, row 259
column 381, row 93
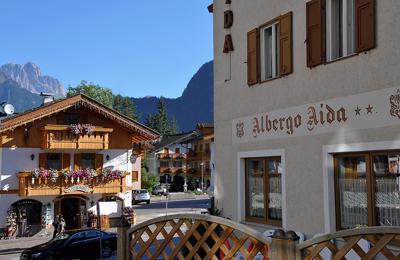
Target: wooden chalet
column 65, row 156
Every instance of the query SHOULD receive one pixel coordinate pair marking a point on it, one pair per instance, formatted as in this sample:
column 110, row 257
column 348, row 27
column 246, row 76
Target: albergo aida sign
column 368, row 110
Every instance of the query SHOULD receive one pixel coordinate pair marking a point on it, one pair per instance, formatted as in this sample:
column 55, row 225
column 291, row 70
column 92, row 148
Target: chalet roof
column 174, row 139
column 9, row 123
column 205, row 125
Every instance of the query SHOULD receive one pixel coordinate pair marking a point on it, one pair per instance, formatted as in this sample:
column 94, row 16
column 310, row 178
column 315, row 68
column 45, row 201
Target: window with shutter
column 365, row 20
column 252, row 57
column 269, row 50
column 314, row 32
column 341, row 27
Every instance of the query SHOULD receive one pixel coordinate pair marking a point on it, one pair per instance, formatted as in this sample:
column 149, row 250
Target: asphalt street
column 11, row 249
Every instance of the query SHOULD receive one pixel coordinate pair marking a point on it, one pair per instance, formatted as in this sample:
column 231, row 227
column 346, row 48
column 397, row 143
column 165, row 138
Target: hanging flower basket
column 82, row 129
column 108, row 175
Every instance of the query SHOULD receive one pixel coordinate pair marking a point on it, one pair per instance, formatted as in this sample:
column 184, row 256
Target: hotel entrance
column 73, row 209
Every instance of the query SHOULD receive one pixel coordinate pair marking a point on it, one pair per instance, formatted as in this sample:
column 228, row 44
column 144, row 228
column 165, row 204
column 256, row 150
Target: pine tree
column 162, row 124
column 173, row 126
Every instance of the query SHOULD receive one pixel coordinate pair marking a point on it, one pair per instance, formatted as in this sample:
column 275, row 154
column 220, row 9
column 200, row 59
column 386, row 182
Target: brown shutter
column 314, row 24
column 43, row 160
column 285, row 44
column 98, row 162
column 66, row 160
column 135, row 176
column 252, row 57
column 77, row 161
column 365, row 22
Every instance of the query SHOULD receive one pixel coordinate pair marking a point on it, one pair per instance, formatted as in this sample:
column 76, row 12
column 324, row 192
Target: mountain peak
column 29, row 77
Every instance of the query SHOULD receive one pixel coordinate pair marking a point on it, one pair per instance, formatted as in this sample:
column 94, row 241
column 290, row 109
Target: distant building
column 187, row 156
column 307, row 113
column 65, row 156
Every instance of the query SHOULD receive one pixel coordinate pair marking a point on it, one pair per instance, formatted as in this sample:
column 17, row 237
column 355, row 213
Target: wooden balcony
column 61, row 137
column 43, row 187
column 204, row 155
column 178, row 169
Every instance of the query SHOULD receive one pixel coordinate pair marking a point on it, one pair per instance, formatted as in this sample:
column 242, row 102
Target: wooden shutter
column 43, row 160
column 365, row 24
column 314, row 26
column 252, row 57
column 98, row 162
column 77, row 161
column 285, row 44
column 66, row 160
column 135, row 176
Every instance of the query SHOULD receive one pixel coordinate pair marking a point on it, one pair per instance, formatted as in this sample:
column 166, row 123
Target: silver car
column 140, row 196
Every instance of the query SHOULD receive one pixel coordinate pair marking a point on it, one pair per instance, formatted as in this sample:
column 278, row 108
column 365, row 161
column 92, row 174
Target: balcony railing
column 164, row 169
column 29, row 186
column 163, row 156
column 179, row 156
column 61, row 137
column 196, row 155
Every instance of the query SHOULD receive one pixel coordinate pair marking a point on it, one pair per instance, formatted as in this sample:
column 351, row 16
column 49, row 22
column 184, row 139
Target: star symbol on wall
column 358, row 110
column 369, row 109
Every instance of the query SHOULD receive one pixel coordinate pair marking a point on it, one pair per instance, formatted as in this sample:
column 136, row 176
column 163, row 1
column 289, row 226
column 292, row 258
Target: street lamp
column 202, row 177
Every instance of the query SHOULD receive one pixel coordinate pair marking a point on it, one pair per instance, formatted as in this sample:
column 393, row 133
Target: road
column 11, row 249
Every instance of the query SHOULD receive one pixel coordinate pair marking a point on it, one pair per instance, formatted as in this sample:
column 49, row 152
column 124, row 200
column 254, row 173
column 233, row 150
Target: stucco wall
column 304, row 164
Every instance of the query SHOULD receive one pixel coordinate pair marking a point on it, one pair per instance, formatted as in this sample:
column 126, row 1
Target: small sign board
column 83, row 188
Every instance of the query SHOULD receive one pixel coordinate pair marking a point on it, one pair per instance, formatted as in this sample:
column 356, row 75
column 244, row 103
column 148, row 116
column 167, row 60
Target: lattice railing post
column 283, row 245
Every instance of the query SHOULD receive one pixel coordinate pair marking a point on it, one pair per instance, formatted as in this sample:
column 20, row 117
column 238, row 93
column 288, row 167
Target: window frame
column 60, row 160
column 265, row 220
column 275, row 55
column 344, row 31
column 93, row 155
column 370, row 178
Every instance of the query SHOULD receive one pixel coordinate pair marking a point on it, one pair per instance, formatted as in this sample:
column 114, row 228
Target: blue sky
column 136, row 48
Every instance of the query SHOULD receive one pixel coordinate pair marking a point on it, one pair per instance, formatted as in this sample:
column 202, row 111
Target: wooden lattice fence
column 193, row 236
column 361, row 243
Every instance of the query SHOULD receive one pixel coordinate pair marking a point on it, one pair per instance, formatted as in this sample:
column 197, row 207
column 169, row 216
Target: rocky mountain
column 12, row 93
column 29, row 77
column 194, row 106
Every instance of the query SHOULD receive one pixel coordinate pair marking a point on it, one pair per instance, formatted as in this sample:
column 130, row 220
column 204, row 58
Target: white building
column 307, row 101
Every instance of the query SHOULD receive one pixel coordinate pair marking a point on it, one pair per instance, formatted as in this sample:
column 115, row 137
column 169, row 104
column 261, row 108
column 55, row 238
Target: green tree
column 160, row 121
column 122, row 104
column 98, row 93
column 148, row 180
column 162, row 124
column 125, row 106
column 174, row 128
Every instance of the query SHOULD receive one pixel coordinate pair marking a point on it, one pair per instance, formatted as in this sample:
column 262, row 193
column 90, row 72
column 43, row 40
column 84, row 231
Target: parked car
column 78, row 244
column 159, row 190
column 140, row 196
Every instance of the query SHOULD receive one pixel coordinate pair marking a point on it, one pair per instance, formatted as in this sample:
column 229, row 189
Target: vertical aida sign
column 368, row 110
column 228, row 22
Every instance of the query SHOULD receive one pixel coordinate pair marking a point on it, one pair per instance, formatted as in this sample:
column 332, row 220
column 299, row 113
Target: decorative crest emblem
column 395, row 104
column 240, row 129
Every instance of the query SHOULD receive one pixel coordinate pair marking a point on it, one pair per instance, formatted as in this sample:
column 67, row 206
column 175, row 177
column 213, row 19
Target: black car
column 79, row 244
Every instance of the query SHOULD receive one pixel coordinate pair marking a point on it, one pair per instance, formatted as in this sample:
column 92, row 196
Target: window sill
column 342, row 58
column 268, row 80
